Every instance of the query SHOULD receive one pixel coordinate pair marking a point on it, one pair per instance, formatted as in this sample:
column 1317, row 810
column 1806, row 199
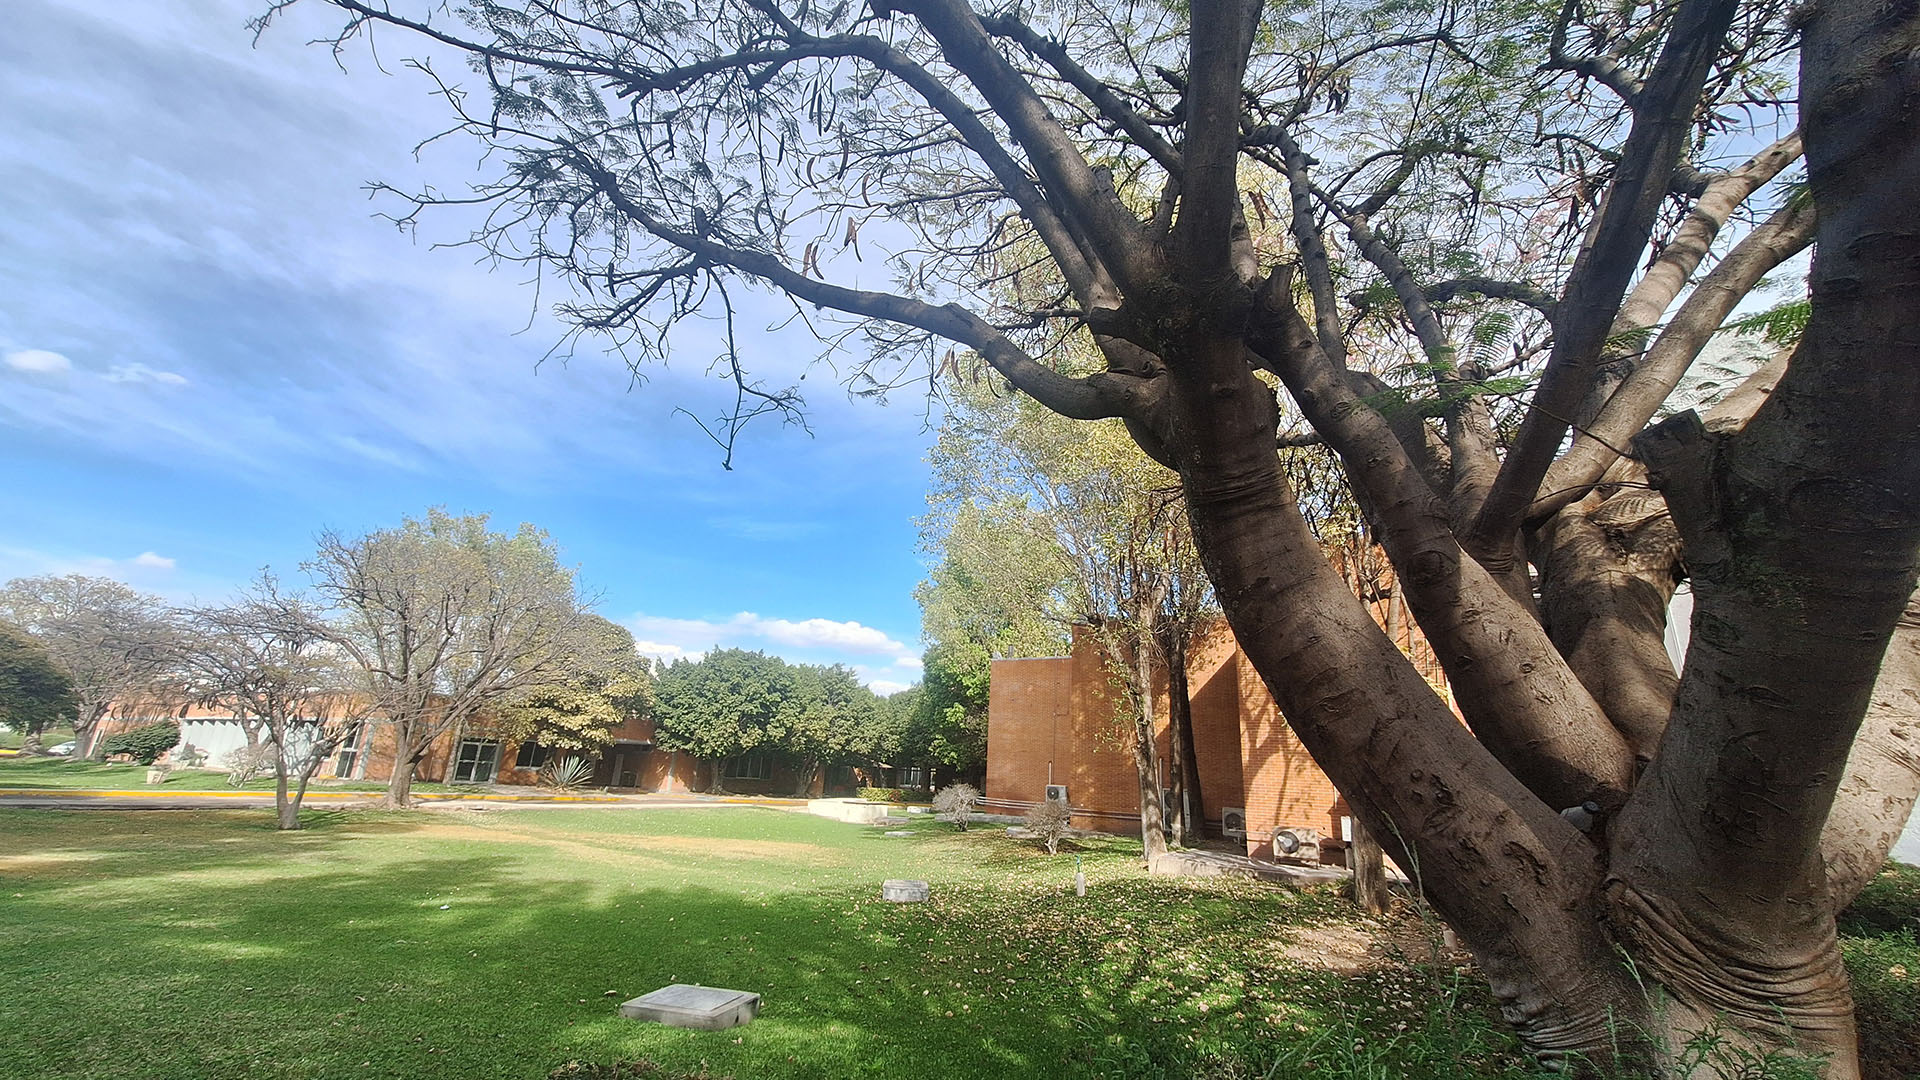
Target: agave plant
column 567, row 773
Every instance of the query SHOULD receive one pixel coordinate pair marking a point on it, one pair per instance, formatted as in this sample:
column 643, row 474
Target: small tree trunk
column 286, row 808
column 400, row 786
column 86, row 733
column 1153, row 822
column 1189, row 807
column 1369, row 871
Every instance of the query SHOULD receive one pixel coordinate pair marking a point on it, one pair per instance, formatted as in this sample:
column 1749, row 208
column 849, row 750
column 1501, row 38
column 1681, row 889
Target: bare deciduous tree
column 114, row 642
column 444, row 618
column 270, row 658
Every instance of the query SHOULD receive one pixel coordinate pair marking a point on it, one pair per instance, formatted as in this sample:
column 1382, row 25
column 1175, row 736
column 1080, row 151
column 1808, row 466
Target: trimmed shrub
column 1049, row 822
column 145, row 744
column 882, row 794
column 955, row 803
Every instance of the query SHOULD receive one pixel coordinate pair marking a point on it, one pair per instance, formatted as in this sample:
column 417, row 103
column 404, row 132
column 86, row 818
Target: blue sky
column 210, row 349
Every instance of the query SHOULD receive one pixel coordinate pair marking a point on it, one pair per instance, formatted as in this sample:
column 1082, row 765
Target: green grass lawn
column 11, row 739
column 171, row 945
column 68, row 774
column 471, row 945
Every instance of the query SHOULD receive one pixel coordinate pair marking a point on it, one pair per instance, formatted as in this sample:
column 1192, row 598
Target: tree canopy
column 732, row 702
column 445, row 618
column 34, row 693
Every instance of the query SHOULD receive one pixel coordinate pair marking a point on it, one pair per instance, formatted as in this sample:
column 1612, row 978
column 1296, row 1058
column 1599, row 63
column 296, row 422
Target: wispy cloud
column 41, row 361
column 135, row 373
column 153, row 561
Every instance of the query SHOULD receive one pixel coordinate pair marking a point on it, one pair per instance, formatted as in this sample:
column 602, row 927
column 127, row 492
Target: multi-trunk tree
column 1584, row 171
column 446, row 619
column 270, row 660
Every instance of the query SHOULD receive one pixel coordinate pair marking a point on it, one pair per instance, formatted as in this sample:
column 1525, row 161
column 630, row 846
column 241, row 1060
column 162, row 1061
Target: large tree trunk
column 86, row 731
column 1460, row 822
column 400, row 784
column 1882, row 780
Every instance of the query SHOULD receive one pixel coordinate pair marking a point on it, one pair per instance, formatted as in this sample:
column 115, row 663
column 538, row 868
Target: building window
column 352, row 751
column 916, row 778
column 477, row 761
column 757, row 765
column 532, row 755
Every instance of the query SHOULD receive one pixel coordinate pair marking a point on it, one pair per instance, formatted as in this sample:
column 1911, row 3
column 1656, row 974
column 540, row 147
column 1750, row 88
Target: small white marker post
column 1079, row 877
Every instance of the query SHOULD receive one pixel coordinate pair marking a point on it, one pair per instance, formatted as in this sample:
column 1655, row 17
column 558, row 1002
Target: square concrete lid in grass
column 707, row 1008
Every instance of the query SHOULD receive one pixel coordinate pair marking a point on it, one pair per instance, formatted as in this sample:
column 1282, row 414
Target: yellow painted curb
column 147, row 793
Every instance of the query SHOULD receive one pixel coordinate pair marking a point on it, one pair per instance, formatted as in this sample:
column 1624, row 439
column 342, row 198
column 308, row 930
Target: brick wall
column 1051, row 720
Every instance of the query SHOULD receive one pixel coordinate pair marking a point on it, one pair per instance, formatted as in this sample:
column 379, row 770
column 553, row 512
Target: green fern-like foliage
column 1780, row 325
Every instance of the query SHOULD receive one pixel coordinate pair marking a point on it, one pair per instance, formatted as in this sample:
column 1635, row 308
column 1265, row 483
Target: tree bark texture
column 1190, row 809
column 1369, row 871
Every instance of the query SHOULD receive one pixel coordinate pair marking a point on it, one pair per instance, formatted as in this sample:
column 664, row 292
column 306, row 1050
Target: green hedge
column 882, row 794
column 145, row 743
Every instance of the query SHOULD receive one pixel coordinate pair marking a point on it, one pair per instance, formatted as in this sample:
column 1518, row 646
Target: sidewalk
column 185, row 799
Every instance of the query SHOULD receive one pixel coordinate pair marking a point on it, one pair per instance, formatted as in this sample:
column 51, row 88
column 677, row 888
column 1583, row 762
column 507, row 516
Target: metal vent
column 1233, row 822
column 1297, row 844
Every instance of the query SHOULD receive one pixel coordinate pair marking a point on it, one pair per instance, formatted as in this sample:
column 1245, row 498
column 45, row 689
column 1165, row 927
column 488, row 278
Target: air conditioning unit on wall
column 1233, row 822
column 1297, row 844
column 1057, row 793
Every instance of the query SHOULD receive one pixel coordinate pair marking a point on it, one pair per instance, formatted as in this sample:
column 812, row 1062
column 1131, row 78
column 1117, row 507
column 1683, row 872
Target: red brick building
column 1055, row 720
column 476, row 753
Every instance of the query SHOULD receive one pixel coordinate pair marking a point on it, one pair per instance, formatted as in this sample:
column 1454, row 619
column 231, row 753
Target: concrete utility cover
column 900, row 832
column 903, row 891
column 707, row 1008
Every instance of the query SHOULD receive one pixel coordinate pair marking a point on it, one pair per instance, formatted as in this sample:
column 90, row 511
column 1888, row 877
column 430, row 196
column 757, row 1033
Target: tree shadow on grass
column 170, row 947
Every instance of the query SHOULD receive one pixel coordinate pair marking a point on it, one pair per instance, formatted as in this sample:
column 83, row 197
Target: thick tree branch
column 1514, row 688
column 1662, row 123
column 1595, row 449
column 1103, row 98
column 1114, row 233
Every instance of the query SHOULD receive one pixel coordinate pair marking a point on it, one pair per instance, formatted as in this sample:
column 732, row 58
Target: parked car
column 65, row 749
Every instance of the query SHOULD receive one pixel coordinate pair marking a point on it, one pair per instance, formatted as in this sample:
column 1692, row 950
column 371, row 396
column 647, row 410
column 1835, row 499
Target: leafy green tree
column 727, row 703
column 946, row 721
column 34, row 693
column 603, row 684
column 1601, row 175
column 838, row 721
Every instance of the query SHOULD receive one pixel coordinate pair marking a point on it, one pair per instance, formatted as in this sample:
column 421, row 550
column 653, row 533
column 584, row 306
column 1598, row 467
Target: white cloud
column 884, row 688
column 820, row 634
column 746, row 628
column 152, row 561
column 39, row 361
column 909, row 662
column 136, row 373
column 660, row 650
